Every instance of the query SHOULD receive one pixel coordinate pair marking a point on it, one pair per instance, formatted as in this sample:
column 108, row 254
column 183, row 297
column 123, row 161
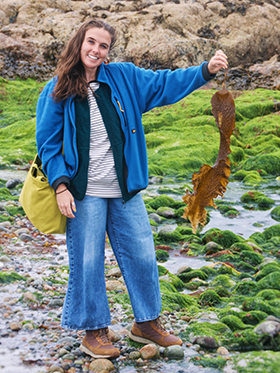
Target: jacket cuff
column 206, row 75
column 61, row 180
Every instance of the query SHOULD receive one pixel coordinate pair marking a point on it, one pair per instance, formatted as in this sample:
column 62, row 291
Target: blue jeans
column 128, row 228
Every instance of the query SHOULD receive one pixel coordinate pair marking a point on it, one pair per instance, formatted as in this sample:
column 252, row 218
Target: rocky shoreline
column 154, row 34
column 220, row 310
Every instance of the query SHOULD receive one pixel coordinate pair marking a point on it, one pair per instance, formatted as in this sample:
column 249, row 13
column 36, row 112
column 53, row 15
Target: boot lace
column 158, row 324
column 103, row 335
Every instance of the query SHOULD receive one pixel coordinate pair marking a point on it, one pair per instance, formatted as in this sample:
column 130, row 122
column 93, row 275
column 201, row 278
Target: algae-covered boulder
column 162, row 255
column 256, row 304
column 234, row 323
column 211, row 248
column 268, row 294
column 246, row 288
column 173, row 280
column 223, row 280
column 209, row 298
column 275, row 213
column 7, row 277
column 271, row 281
column 186, row 277
column 258, row 199
column 256, row 362
column 251, row 257
column 224, row 238
column 164, row 201
column 267, row 269
column 253, row 317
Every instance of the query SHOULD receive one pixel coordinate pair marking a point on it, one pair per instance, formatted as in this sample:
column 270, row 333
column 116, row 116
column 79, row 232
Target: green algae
column 187, row 277
column 217, row 330
column 8, row 277
column 174, row 280
column 209, row 298
column 234, row 323
column 258, row 199
column 224, row 238
column 275, row 213
column 246, row 288
column 267, row 269
column 257, row 362
column 256, row 304
column 208, row 362
column 162, row 255
column 223, row 280
column 270, row 281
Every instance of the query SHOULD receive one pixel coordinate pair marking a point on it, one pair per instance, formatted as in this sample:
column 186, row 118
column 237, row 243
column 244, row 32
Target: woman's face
column 94, row 50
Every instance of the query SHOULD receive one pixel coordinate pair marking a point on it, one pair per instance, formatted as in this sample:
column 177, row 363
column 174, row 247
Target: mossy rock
column 243, row 340
column 164, row 201
column 217, row 362
column 162, row 255
column 270, row 232
column 271, row 281
column 253, row 178
column 251, row 257
column 270, row 163
column 240, row 175
column 187, row 277
column 254, row 317
column 222, row 292
column 237, row 154
column 223, row 280
column 268, row 294
column 8, row 277
column 208, row 270
column 257, row 362
column 181, row 300
column 162, row 271
column 209, row 298
column 273, row 244
column 211, row 248
column 195, row 283
column 257, row 304
column 227, row 270
column 165, row 237
column 259, row 199
column 267, row 269
column 224, row 238
column 234, row 323
column 245, row 267
column 246, row 288
column 232, row 213
column 241, row 246
column 275, row 213
column 174, row 280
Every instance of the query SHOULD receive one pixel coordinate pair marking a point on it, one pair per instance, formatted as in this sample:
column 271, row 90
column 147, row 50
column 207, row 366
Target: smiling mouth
column 92, row 57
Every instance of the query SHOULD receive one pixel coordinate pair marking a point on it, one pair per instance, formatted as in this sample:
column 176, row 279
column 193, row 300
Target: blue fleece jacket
column 134, row 91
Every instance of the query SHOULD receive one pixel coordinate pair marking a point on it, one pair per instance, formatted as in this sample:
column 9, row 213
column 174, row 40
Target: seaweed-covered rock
column 211, row 247
column 253, row 317
column 223, row 280
column 166, row 212
column 208, row 343
column 267, row 269
column 270, row 327
column 251, row 257
column 222, row 292
column 174, row 280
column 195, row 283
column 245, row 267
column 209, row 298
column 186, row 277
column 256, row 304
column 234, row 323
column 268, row 294
column 246, row 288
column 257, row 198
column 275, row 213
column 162, row 255
column 224, row 238
column 7, row 277
column 271, row 281
column 164, row 201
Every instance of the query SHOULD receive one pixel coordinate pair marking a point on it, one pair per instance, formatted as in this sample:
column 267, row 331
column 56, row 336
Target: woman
column 91, row 141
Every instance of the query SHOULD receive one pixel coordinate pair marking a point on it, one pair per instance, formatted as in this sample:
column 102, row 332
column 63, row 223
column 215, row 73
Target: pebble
column 222, row 351
column 149, row 351
column 174, row 352
column 101, row 366
column 56, row 369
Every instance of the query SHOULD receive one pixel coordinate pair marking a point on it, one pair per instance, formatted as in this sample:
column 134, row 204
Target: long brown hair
column 70, row 70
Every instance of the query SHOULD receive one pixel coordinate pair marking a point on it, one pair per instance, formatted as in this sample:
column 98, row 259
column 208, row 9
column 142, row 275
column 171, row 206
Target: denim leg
column 131, row 238
column 86, row 304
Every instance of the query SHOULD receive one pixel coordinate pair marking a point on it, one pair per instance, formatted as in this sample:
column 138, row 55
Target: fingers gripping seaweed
column 211, row 182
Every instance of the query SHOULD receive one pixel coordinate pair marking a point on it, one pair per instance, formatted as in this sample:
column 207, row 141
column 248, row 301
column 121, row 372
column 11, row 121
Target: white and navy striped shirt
column 102, row 176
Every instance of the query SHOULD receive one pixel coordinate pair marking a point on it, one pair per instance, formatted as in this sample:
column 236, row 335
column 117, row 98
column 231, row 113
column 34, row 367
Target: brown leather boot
column 153, row 331
column 97, row 344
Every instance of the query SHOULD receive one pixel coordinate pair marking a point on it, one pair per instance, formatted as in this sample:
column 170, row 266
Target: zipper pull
column 120, row 106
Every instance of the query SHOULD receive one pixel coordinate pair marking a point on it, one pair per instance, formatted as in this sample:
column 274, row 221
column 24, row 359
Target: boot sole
column 89, row 352
column 142, row 340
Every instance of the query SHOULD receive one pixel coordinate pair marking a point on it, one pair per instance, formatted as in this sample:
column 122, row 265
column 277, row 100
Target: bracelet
column 62, row 191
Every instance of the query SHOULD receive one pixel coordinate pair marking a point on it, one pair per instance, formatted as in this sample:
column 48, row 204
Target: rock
column 134, row 355
column 28, row 296
column 186, row 318
column 149, row 351
column 174, row 352
column 69, row 357
column 115, row 272
column 114, row 336
column 21, row 231
column 166, row 212
column 4, row 259
column 15, row 326
column 191, row 352
column 26, row 237
column 55, row 303
column 208, row 343
column 101, row 366
column 114, row 285
column 10, row 184
column 267, row 327
column 56, row 368
column 155, row 217
column 222, row 351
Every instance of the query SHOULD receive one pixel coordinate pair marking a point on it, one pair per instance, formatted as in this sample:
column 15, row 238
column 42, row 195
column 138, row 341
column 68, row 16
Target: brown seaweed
column 211, row 182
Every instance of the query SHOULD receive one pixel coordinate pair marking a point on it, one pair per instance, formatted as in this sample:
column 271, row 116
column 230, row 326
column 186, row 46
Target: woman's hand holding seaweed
column 65, row 201
column 217, row 62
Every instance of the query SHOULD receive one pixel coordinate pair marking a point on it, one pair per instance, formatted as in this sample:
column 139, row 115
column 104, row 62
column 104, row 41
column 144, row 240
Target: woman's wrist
column 61, row 188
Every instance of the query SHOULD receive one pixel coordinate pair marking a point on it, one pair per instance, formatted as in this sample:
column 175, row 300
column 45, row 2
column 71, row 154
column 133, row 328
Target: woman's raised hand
column 217, row 62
